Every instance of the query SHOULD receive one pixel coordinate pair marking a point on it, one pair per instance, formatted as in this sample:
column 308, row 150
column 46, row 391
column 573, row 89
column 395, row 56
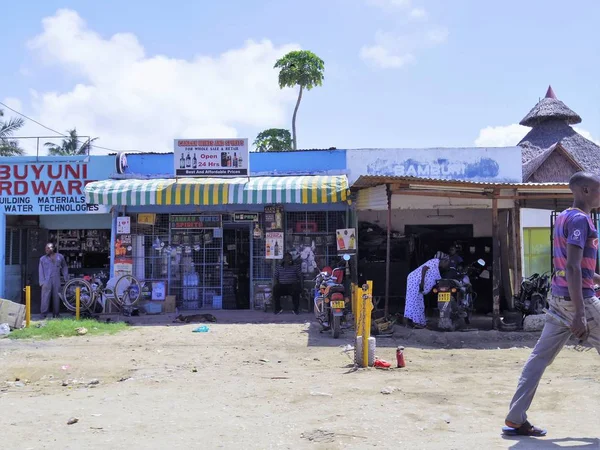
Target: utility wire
column 64, row 135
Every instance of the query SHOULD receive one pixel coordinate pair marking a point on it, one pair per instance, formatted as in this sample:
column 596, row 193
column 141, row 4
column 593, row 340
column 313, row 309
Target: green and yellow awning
column 219, row 191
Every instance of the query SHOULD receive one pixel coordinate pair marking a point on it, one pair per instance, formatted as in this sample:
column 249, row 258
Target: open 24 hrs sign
column 211, row 157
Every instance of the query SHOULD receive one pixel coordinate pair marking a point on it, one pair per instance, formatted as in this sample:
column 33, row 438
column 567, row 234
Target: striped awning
column 182, row 191
column 298, row 189
column 219, row 191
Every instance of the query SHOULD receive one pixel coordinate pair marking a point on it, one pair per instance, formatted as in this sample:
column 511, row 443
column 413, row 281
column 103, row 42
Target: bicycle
column 125, row 293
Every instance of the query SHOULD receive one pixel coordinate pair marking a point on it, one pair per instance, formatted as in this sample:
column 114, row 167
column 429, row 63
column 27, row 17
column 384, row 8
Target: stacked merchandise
column 190, row 281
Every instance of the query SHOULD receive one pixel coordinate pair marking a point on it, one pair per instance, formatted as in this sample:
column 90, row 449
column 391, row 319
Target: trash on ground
column 202, row 329
column 321, row 394
column 81, row 331
column 72, row 420
column 381, row 364
column 4, row 329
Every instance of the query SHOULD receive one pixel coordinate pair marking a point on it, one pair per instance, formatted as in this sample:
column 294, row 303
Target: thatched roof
column 551, row 132
column 548, row 137
column 550, row 108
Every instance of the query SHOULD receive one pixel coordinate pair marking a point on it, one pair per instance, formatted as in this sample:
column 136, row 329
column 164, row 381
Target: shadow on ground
column 527, row 443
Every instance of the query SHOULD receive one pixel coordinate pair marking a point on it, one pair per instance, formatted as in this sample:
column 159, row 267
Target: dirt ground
column 282, row 385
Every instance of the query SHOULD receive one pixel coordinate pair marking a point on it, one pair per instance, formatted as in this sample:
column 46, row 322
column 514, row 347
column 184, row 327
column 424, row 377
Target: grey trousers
column 554, row 336
column 50, row 290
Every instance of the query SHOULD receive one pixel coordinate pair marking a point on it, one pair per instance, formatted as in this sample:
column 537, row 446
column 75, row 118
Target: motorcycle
column 456, row 297
column 330, row 302
column 533, row 294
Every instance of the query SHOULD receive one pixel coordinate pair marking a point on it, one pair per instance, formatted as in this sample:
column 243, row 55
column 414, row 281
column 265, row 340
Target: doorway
column 236, row 266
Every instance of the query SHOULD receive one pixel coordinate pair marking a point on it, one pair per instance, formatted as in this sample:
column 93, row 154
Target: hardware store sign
column 47, row 188
column 211, row 157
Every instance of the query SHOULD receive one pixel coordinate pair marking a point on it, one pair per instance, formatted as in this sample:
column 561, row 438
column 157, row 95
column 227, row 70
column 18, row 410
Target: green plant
column 300, row 68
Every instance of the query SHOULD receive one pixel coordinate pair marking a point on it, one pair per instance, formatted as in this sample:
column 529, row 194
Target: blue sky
column 399, row 73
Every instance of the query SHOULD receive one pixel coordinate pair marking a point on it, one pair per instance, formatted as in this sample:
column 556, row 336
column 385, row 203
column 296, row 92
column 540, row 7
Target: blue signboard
column 51, row 185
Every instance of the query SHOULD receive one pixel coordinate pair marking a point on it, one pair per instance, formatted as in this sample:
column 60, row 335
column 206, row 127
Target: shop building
column 42, row 200
column 213, row 242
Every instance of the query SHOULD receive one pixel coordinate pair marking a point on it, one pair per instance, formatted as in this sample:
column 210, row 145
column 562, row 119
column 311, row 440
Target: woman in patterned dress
column 421, row 281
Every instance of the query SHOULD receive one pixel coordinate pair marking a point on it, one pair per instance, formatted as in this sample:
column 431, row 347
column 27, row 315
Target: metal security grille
column 311, row 235
column 13, row 244
column 150, row 260
column 189, row 260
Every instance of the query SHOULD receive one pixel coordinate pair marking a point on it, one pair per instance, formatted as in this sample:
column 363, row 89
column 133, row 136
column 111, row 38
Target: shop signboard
column 466, row 164
column 211, row 157
column 123, row 225
column 146, row 219
column 274, row 245
column 245, row 217
column 51, row 187
column 195, row 222
column 274, row 218
column 346, row 240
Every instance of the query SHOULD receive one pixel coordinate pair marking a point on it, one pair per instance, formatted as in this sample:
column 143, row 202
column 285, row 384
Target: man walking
column 286, row 281
column 572, row 299
column 52, row 266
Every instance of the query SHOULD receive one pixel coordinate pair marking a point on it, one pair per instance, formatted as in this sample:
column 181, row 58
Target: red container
column 400, row 357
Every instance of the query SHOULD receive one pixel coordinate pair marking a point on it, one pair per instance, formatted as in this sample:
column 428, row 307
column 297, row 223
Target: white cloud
column 395, row 50
column 418, row 13
column 132, row 100
column 385, row 4
column 501, row 136
column 511, row 135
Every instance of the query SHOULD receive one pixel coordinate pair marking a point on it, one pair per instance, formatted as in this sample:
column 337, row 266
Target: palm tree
column 9, row 147
column 300, row 68
column 70, row 146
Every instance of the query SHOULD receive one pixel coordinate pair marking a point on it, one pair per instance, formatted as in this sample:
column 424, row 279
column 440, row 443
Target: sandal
column 526, row 429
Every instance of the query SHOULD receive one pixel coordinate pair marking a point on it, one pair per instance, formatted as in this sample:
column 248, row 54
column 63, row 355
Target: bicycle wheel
column 128, row 291
column 86, row 296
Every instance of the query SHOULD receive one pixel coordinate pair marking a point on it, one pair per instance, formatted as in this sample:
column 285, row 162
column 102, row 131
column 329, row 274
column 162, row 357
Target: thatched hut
column 553, row 150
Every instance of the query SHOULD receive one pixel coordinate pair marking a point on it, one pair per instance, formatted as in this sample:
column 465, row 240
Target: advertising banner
column 211, row 158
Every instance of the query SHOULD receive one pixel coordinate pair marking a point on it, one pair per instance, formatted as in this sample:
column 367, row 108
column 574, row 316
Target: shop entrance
column 236, row 266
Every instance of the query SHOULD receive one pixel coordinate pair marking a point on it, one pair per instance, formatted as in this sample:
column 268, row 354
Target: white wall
column 481, row 219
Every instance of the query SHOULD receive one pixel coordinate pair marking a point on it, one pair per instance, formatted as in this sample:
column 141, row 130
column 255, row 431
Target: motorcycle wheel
column 336, row 326
column 468, row 318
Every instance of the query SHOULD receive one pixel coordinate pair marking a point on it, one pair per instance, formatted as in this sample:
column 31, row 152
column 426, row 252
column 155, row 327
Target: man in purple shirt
column 572, row 299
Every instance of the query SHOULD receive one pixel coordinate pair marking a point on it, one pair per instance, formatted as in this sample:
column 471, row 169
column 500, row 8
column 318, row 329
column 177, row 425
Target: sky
column 398, row 73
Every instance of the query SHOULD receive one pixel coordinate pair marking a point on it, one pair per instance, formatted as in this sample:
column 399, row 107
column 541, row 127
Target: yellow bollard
column 27, row 306
column 367, row 305
column 77, row 302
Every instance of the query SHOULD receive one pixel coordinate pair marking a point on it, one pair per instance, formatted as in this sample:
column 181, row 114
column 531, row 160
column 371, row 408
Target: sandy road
column 284, row 386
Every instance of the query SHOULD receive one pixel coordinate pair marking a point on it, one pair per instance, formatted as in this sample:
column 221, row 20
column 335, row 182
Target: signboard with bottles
column 274, row 245
column 211, row 157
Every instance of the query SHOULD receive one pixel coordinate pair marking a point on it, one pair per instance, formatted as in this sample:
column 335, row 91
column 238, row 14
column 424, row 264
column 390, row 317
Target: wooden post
column 518, row 244
column 388, row 251
column 496, row 261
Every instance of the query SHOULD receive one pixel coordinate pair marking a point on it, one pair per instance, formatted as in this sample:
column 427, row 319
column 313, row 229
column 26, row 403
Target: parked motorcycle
column 330, row 299
column 456, row 297
column 533, row 294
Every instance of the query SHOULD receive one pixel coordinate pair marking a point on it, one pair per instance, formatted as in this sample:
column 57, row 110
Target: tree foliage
column 10, row 147
column 70, row 146
column 273, row 140
column 300, row 68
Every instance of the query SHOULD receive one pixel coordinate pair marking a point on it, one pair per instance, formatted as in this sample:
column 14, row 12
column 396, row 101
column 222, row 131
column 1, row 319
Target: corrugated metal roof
column 366, row 181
